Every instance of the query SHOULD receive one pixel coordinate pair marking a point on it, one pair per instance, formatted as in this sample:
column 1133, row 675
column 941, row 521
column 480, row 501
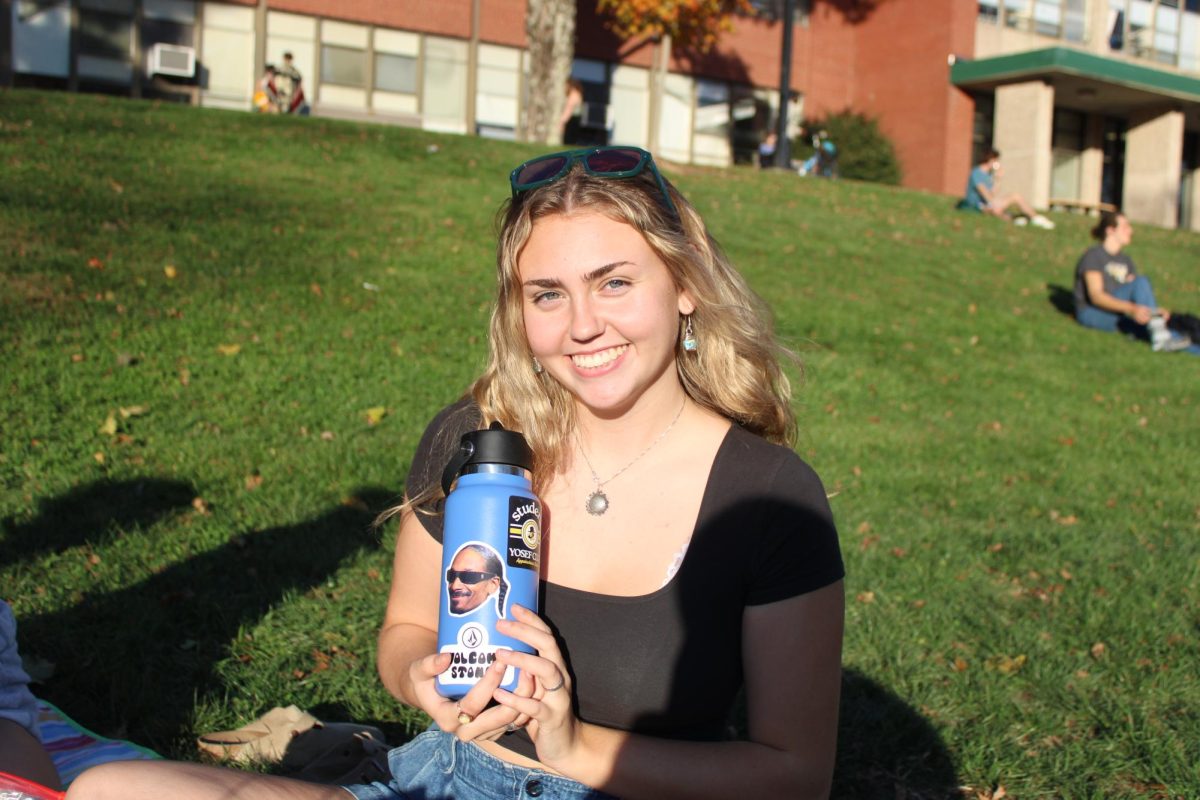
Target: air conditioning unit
column 172, row 59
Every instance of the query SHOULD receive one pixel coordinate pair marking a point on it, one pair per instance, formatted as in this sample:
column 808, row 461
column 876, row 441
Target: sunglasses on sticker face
column 469, row 577
column 601, row 162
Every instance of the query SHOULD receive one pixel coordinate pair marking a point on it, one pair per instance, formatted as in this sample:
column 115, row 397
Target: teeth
column 593, row 360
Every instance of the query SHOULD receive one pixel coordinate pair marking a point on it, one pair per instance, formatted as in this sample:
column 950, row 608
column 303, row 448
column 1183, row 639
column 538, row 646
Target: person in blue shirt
column 982, row 195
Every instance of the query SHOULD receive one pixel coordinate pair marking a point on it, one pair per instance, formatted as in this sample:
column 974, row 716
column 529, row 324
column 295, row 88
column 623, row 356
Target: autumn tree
column 689, row 24
column 693, row 25
column 550, row 31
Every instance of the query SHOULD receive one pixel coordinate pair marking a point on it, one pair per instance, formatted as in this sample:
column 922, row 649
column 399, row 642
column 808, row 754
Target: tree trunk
column 550, row 29
column 658, row 86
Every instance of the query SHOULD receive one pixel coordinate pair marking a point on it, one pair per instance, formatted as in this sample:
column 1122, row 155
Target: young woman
column 689, row 554
column 1110, row 295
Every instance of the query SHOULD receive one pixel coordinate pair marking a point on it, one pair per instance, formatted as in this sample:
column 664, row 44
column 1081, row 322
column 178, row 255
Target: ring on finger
column 561, row 680
column 511, row 727
column 463, row 717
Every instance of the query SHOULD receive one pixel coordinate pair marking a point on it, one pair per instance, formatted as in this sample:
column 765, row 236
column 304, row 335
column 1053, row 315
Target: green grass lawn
column 222, row 335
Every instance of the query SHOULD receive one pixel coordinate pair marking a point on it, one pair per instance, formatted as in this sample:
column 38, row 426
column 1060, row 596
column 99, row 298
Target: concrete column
column 1153, row 151
column 1024, row 122
column 1097, row 27
column 1091, row 163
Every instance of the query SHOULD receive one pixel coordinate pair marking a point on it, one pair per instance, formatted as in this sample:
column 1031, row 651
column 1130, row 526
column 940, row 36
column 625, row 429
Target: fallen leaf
column 170, row 271
column 959, row 664
column 229, row 349
column 132, row 411
column 76, row 357
column 1005, row 664
column 95, row 263
column 99, row 457
column 315, row 288
column 375, row 414
column 199, row 504
column 327, row 436
column 866, row 597
column 109, row 428
column 253, row 481
column 1098, row 650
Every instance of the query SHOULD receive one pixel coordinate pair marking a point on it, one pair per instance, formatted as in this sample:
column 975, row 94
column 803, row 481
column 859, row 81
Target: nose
column 585, row 322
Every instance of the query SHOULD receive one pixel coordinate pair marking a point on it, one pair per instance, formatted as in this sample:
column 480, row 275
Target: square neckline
column 701, row 514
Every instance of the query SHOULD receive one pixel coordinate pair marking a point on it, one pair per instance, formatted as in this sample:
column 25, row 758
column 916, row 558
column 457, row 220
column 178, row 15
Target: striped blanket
column 74, row 748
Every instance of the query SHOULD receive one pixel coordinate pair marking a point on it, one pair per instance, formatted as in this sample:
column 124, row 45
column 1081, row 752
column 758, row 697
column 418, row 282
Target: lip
column 598, row 362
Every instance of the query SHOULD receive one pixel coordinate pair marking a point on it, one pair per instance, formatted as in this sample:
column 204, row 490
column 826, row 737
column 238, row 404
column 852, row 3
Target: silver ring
column 510, row 727
column 561, row 680
column 463, row 717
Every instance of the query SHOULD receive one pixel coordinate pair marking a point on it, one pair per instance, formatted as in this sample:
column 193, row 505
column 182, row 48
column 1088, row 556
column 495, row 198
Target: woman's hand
column 469, row 718
column 1141, row 314
column 552, row 724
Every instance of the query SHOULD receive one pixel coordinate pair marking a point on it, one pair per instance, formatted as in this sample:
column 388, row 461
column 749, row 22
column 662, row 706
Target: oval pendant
column 597, row 503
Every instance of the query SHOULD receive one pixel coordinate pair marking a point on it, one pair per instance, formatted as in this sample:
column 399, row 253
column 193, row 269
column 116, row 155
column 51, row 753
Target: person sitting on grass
column 694, row 553
column 983, row 197
column 21, row 752
column 1110, row 295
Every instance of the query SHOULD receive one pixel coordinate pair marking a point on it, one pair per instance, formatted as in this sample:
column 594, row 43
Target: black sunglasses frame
column 570, row 157
column 462, row 574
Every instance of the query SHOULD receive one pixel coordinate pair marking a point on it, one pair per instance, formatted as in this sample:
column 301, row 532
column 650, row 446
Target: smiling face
column 466, row 595
column 601, row 311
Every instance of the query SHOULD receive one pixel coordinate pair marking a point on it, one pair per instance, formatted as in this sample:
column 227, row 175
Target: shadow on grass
column 131, row 663
column 1062, row 298
column 886, row 750
column 90, row 514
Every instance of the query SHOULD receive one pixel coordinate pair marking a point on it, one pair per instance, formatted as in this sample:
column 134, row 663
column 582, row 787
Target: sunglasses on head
column 469, row 577
column 602, row 162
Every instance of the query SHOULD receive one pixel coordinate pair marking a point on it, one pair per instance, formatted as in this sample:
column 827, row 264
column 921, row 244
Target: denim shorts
column 437, row 766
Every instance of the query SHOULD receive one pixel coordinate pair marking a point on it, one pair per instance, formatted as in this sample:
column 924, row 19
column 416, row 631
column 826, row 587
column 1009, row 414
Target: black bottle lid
column 495, row 445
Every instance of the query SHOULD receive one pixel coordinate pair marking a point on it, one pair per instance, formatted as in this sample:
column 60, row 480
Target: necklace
column 597, row 502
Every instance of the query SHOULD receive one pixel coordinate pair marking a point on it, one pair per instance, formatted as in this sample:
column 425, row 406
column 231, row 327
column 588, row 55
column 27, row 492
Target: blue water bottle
column 491, row 553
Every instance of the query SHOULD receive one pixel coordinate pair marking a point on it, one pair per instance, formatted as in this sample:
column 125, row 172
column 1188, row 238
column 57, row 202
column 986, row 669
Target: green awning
column 1077, row 66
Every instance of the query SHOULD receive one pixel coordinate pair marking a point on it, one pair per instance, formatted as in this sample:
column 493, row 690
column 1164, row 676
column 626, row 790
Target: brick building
column 1089, row 100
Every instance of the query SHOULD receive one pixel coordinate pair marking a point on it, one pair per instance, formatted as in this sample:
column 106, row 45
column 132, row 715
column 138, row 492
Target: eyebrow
column 588, row 277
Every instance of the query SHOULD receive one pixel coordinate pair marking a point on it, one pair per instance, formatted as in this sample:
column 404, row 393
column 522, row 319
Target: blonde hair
column 735, row 370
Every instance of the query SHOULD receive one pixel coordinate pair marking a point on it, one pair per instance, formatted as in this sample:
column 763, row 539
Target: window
column 982, row 125
column 395, row 73
column 345, row 66
column 104, row 35
column 772, row 10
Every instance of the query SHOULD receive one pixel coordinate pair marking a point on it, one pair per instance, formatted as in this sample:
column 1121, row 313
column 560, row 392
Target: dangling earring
column 537, row 366
column 689, row 336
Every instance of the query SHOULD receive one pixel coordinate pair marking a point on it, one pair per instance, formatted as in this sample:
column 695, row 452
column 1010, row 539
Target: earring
column 689, row 336
column 537, row 366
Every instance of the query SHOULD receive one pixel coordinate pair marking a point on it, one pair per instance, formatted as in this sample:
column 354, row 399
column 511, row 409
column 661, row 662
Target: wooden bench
column 1080, row 206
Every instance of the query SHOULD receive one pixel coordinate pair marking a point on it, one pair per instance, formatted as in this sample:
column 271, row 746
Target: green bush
column 864, row 153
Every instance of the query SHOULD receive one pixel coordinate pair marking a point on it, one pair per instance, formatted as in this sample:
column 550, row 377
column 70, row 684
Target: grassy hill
column 222, row 335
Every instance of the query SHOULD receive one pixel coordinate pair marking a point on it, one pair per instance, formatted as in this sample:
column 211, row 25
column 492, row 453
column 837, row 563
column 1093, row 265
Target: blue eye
column 616, row 283
column 545, row 297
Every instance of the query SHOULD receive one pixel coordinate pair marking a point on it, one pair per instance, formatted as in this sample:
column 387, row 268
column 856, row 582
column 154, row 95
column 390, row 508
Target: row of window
column 347, row 66
column 1166, row 31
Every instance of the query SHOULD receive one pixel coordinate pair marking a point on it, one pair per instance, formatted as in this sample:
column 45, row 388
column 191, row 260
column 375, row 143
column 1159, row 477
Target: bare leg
column 21, row 754
column 1015, row 199
column 154, row 780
